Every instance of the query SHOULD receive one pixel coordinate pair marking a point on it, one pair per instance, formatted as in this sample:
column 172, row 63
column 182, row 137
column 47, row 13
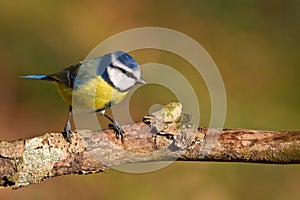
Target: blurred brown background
column 254, row 43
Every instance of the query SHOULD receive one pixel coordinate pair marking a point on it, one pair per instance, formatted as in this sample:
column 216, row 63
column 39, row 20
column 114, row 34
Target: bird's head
column 123, row 71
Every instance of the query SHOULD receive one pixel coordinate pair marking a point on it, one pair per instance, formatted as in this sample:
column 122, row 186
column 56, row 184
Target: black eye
column 119, row 68
column 123, row 71
column 127, row 73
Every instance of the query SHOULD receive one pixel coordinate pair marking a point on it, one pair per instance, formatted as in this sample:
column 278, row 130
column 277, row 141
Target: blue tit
column 96, row 84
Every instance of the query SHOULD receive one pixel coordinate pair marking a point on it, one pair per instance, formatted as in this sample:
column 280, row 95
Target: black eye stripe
column 122, row 70
column 127, row 73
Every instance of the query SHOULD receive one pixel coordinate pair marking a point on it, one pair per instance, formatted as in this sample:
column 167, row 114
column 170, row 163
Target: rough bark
column 23, row 162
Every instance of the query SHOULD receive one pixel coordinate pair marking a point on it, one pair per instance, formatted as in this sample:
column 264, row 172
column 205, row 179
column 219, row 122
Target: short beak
column 141, row 81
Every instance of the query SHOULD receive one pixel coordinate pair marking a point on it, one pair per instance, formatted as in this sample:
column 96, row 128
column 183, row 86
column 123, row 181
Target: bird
column 96, row 84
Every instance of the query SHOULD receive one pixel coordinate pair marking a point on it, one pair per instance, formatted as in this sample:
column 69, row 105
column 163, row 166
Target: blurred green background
column 254, row 43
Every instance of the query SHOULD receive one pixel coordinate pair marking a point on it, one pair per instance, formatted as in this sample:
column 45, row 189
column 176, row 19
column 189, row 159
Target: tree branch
column 23, row 162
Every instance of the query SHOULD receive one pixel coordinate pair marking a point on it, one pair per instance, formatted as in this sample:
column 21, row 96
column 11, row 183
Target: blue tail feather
column 38, row 77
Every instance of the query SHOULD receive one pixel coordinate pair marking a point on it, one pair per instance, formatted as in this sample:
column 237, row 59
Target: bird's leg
column 115, row 125
column 67, row 130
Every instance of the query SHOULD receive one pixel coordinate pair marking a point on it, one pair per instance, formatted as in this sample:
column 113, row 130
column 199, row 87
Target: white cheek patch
column 120, row 80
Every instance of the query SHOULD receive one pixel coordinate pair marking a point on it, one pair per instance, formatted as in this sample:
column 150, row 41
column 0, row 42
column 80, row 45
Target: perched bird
column 96, row 84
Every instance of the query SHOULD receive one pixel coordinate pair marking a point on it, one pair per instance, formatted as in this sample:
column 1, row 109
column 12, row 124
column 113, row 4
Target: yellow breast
column 93, row 94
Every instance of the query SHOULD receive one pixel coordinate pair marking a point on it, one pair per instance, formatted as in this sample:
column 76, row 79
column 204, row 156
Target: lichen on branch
column 164, row 137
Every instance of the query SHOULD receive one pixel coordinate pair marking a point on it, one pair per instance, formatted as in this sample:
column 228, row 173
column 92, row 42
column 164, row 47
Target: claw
column 115, row 125
column 119, row 131
column 67, row 135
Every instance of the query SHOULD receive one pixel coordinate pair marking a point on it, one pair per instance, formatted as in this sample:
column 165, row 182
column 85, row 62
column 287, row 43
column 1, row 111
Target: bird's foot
column 67, row 135
column 118, row 129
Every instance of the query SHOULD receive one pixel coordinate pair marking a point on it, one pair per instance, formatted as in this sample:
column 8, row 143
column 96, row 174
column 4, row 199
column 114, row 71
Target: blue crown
column 126, row 59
